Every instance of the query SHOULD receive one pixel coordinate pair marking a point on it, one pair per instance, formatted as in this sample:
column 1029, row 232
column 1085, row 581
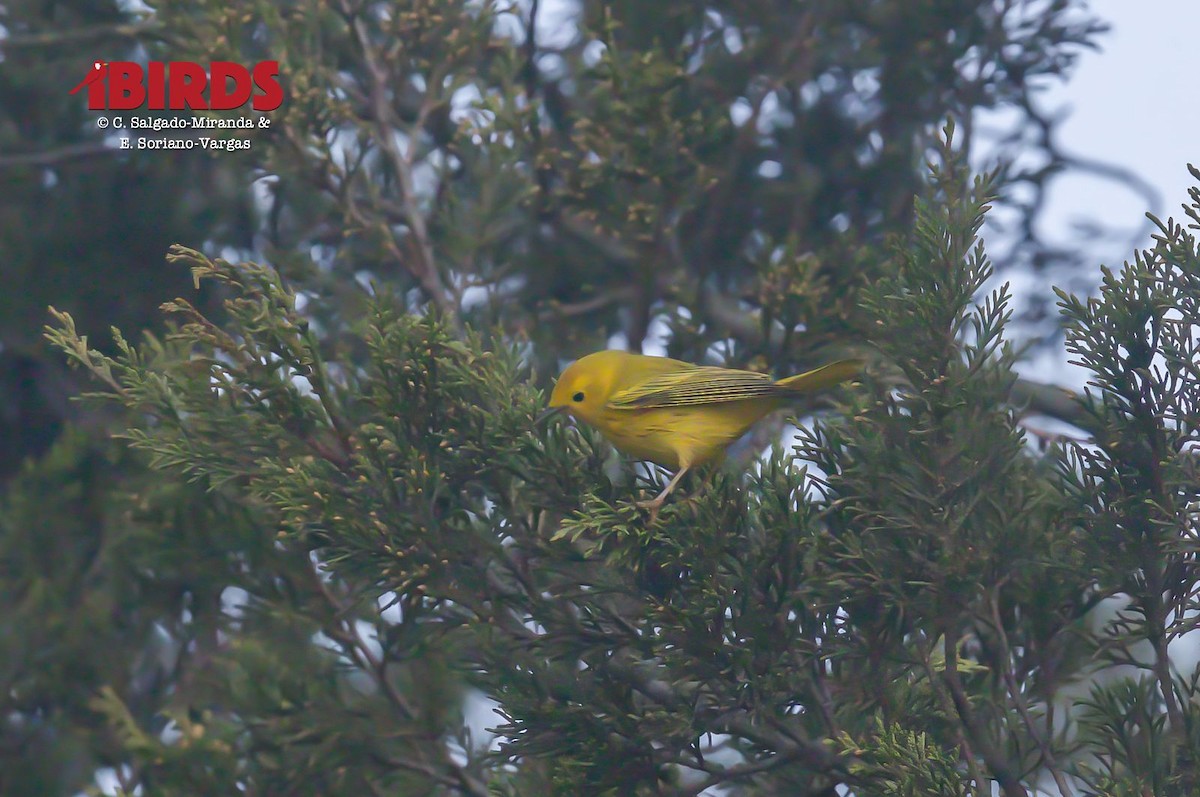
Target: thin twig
column 425, row 269
column 126, row 30
column 718, row 775
column 344, row 632
column 598, row 302
column 1000, row 766
column 1018, row 699
column 53, row 157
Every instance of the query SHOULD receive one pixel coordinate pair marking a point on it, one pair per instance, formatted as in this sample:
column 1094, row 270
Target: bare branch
column 1004, row 770
column 126, row 30
column 424, row 269
column 1014, row 691
column 54, row 157
column 342, row 630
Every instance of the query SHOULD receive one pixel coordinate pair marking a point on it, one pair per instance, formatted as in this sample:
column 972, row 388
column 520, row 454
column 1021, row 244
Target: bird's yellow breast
column 676, row 437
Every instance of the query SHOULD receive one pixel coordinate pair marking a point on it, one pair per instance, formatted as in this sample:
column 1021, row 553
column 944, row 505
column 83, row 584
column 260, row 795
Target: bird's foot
column 653, row 505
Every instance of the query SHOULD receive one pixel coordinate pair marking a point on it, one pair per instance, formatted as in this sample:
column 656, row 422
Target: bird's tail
column 823, row 377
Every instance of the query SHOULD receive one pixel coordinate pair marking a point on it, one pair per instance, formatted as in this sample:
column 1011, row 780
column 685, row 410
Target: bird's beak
column 546, row 414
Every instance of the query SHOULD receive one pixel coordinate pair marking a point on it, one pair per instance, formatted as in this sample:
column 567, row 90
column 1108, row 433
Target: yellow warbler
column 673, row 413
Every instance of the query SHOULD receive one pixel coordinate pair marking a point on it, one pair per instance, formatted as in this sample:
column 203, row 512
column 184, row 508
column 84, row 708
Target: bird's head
column 586, row 385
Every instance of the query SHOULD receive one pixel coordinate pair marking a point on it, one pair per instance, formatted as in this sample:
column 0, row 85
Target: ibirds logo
column 181, row 85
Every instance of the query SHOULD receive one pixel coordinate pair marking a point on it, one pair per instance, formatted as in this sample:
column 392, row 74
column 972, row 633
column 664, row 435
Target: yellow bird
column 673, row 413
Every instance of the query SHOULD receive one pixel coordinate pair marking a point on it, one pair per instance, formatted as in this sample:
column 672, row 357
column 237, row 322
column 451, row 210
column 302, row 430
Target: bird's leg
column 655, row 503
column 704, row 485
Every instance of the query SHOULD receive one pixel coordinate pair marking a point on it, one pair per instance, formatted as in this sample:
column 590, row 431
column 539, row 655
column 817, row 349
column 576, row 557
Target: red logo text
column 181, row 85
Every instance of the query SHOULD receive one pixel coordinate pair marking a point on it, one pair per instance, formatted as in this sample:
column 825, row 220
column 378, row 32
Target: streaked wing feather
column 705, row 385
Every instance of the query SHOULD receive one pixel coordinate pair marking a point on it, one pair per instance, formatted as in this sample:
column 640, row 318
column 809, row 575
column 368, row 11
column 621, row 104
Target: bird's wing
column 705, row 385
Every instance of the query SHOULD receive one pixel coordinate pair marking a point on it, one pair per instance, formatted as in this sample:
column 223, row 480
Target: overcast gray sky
column 1133, row 103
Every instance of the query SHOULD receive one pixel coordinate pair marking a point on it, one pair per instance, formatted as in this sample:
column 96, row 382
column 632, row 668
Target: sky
column 1129, row 103
column 1132, row 103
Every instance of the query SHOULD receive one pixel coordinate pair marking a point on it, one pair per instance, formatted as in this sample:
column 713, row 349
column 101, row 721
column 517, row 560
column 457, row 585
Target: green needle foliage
column 915, row 601
column 1137, row 488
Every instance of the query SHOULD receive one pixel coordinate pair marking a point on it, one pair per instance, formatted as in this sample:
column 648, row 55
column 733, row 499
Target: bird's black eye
column 578, row 396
